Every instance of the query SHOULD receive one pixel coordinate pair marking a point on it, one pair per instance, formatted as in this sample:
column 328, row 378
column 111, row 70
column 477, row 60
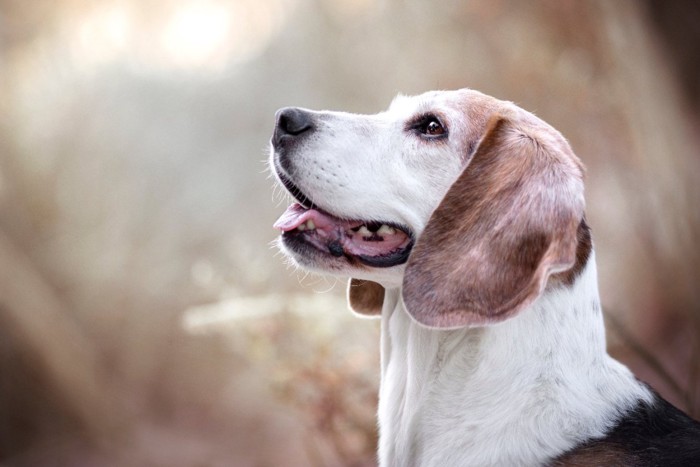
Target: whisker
column 331, row 285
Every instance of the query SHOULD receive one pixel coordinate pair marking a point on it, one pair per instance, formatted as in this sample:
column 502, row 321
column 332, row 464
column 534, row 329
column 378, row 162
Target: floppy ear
column 365, row 297
column 506, row 224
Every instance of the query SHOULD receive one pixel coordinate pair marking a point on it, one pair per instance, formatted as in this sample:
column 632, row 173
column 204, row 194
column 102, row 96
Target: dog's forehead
column 403, row 105
column 407, row 105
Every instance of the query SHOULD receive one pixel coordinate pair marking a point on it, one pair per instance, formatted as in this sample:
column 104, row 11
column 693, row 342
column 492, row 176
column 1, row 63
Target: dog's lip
column 305, row 206
column 338, row 236
column 341, row 246
column 294, row 190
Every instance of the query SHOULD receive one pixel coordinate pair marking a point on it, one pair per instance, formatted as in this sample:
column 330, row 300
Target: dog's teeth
column 310, row 225
column 364, row 231
column 302, row 227
column 386, row 230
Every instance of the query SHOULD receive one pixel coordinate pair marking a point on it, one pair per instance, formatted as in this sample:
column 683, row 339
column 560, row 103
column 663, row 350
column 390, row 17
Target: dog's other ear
column 507, row 223
column 365, row 297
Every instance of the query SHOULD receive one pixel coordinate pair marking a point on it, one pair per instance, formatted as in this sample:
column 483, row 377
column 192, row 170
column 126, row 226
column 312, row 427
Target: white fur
column 516, row 393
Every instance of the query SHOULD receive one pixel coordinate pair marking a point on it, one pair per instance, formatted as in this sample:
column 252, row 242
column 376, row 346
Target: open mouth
column 376, row 244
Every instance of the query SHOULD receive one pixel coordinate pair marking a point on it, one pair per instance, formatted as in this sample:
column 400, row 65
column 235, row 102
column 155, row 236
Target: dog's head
column 466, row 202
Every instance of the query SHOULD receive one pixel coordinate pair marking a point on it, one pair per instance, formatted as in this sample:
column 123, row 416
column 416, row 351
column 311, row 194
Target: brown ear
column 365, row 297
column 506, row 224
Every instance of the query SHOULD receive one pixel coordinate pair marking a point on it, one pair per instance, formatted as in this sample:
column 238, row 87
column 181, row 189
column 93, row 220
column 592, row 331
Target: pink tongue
column 296, row 214
column 291, row 218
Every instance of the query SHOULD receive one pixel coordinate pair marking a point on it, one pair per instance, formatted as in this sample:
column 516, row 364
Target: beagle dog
column 460, row 220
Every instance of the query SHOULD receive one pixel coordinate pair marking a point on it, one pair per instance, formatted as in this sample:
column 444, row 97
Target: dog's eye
column 431, row 126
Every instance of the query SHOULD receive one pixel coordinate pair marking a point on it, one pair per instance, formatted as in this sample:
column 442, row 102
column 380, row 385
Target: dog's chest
column 491, row 396
column 435, row 401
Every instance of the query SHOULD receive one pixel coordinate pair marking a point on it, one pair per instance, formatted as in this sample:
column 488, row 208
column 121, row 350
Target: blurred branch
column 35, row 318
column 678, row 24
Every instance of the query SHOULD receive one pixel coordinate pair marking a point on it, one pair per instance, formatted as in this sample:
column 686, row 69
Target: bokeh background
column 145, row 318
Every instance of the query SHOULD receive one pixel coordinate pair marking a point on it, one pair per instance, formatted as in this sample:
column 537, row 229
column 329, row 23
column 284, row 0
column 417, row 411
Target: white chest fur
column 516, row 393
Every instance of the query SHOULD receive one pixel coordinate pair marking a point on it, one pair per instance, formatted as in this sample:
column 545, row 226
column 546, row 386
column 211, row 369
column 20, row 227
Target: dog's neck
column 524, row 390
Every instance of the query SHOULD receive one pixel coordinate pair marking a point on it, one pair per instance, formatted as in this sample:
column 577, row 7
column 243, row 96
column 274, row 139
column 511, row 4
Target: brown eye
column 431, row 126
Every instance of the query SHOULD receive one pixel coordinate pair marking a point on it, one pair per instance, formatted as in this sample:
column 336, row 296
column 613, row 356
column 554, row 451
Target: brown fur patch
column 365, row 297
column 597, row 456
column 503, row 225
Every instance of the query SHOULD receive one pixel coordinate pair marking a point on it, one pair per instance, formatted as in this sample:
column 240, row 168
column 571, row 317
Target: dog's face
column 369, row 183
column 370, row 190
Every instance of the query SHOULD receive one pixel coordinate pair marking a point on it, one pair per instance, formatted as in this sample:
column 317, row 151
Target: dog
column 459, row 219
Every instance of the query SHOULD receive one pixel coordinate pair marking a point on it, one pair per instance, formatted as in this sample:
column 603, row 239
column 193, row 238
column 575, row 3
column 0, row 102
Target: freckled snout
column 291, row 125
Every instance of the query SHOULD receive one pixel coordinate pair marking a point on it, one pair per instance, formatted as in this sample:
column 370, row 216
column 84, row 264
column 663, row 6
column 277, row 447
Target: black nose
column 291, row 123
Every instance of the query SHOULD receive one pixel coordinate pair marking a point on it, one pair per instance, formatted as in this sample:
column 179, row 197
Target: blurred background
column 145, row 318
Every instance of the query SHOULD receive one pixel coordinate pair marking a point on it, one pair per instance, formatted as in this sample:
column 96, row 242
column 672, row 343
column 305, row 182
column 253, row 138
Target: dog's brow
column 409, row 107
column 398, row 101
